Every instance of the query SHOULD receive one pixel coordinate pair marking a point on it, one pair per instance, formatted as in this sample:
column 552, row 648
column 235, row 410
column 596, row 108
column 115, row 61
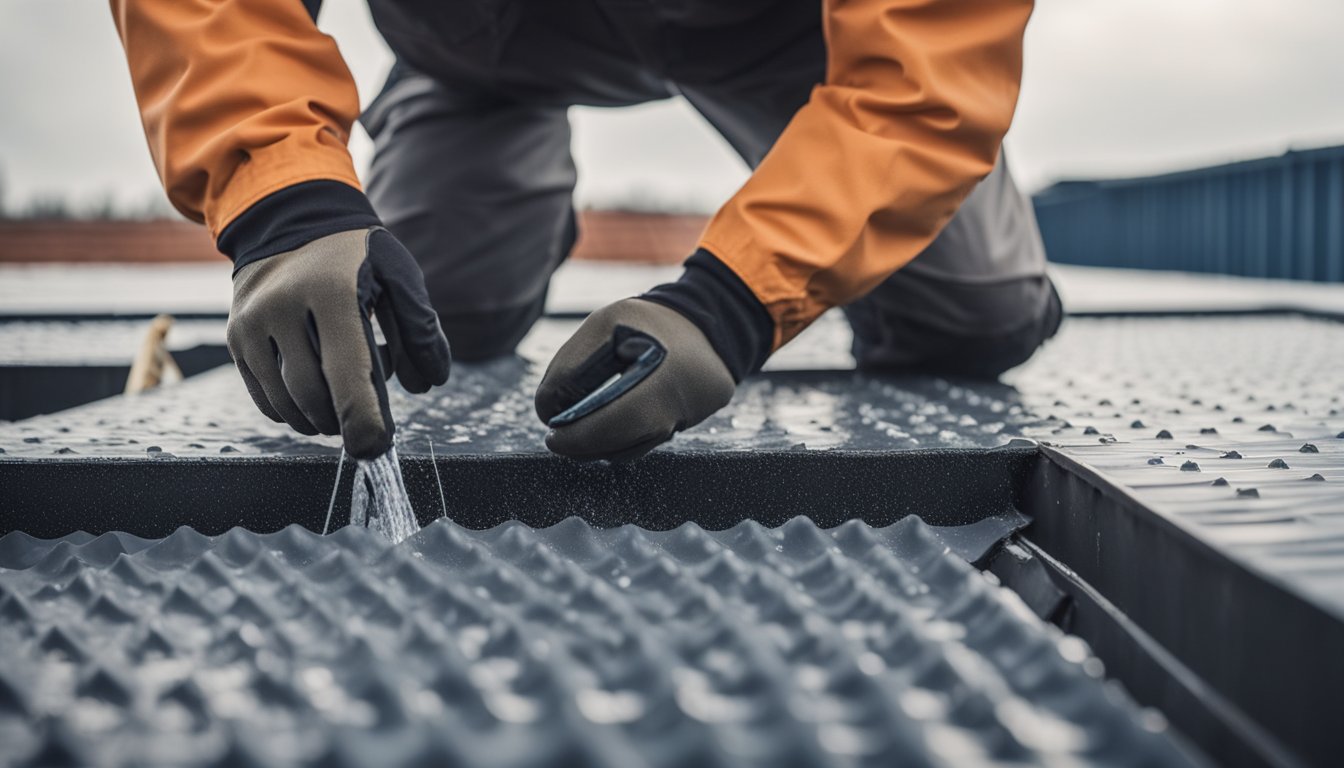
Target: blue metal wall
column 1274, row 217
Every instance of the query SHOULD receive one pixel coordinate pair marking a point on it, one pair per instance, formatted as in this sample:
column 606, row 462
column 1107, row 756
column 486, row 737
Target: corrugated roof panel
column 517, row 646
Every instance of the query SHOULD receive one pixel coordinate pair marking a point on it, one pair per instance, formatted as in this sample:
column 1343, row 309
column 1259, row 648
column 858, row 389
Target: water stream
column 379, row 500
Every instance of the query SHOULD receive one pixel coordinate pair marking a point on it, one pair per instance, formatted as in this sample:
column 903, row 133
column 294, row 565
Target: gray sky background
column 1111, row 89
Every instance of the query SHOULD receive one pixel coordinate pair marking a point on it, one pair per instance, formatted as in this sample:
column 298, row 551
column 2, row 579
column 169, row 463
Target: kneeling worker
column 873, row 128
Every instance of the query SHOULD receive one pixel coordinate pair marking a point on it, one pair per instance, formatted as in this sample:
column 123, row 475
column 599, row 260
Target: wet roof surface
column 1232, row 427
column 48, row 342
column 528, row 647
column 487, row 409
column 1163, row 406
column 585, row 285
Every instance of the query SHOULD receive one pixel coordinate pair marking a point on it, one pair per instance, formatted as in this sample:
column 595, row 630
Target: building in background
column 1275, row 217
column 1279, row 217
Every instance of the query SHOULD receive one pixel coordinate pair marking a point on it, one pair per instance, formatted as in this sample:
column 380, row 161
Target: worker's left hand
column 690, row 383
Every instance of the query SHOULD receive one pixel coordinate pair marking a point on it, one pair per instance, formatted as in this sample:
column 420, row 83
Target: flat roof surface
column 1231, row 427
column 1227, row 427
column 96, row 342
column 1161, row 406
column 584, row 286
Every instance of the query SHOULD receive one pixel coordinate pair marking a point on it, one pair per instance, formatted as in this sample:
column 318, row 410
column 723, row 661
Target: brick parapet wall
column 604, row 236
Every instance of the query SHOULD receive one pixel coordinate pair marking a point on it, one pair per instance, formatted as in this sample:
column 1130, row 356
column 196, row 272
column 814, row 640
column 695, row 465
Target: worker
column 873, row 127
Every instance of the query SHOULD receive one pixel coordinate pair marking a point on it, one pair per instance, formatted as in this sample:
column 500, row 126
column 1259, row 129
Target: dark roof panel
column 527, row 647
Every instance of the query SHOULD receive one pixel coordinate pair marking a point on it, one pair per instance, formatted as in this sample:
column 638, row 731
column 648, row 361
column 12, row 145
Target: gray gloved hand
column 299, row 332
column 689, row 384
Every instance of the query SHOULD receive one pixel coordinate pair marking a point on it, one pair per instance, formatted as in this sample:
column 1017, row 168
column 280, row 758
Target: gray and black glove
column 300, row 334
column 641, row 370
column 681, row 381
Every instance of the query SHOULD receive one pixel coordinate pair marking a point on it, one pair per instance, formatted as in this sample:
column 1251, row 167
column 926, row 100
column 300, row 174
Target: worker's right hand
column 299, row 332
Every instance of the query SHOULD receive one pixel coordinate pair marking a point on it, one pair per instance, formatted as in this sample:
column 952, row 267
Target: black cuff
column 294, row 217
column 712, row 296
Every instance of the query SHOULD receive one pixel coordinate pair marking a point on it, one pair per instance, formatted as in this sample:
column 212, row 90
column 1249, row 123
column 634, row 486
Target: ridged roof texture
column 1233, row 427
column 562, row 646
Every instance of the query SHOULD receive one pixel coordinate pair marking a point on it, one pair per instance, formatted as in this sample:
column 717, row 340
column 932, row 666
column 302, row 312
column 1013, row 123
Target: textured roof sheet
column 1232, row 427
column 1147, row 401
column 559, row 646
column 488, row 409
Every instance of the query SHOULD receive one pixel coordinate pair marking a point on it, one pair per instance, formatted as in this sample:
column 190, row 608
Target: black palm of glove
column 690, row 383
column 299, row 332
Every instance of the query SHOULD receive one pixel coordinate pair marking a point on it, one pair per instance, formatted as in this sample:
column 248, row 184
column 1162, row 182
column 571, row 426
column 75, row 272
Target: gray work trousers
column 472, row 167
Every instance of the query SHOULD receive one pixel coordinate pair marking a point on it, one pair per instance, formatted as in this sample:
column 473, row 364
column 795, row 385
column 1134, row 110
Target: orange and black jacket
column 244, row 99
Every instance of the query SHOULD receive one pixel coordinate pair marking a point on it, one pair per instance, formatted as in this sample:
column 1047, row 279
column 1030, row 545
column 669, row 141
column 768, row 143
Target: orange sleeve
column 917, row 99
column 239, row 98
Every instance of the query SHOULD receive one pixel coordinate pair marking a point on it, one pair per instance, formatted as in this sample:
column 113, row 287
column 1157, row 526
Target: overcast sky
column 1111, row 88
